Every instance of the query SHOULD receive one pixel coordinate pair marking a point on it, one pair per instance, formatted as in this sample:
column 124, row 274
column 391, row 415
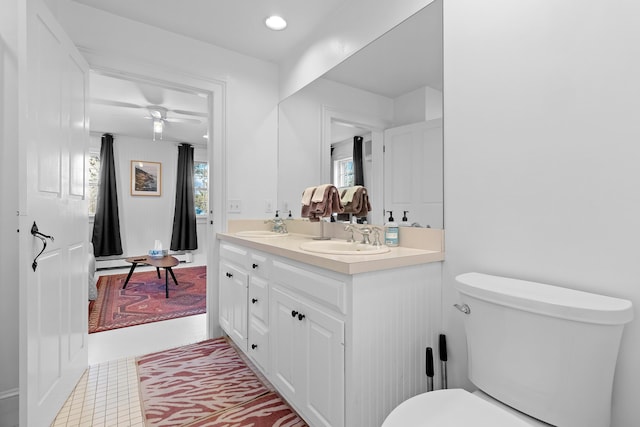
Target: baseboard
column 111, row 263
column 9, row 408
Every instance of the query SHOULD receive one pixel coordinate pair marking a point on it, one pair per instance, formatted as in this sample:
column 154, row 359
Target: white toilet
column 539, row 355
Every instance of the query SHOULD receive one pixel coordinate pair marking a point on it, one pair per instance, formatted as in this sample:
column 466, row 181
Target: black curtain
column 106, row 226
column 184, row 235
column 358, row 168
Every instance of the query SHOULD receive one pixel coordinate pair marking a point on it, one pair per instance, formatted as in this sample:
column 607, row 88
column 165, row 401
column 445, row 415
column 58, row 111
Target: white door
column 413, row 172
column 324, row 363
column 53, row 89
column 286, row 345
column 234, row 288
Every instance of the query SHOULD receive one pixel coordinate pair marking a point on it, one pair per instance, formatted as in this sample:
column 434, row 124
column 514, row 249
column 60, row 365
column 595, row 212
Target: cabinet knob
column 301, row 316
column 254, row 300
column 229, row 275
column 294, row 313
column 254, row 266
column 254, row 346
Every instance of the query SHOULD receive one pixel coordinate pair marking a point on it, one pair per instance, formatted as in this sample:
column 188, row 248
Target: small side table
column 165, row 262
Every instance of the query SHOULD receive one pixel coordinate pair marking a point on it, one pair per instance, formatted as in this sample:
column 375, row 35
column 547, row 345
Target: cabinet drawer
column 325, row 289
column 260, row 264
column 259, row 299
column 235, row 254
column 258, row 348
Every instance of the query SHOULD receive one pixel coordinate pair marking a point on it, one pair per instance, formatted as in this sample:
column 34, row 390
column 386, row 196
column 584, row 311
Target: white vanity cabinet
column 244, row 300
column 343, row 349
column 307, row 353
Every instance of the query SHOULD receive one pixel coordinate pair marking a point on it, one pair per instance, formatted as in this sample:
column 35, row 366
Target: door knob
column 301, row 316
column 294, row 313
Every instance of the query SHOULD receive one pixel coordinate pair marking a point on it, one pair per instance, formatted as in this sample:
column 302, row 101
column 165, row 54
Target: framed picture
column 146, row 178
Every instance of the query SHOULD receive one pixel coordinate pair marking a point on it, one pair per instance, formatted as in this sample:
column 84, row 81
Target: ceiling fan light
column 158, row 126
column 276, row 23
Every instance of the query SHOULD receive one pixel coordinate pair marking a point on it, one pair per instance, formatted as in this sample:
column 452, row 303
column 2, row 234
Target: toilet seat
column 451, row 408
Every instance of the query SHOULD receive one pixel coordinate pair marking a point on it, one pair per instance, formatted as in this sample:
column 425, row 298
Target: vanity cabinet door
column 287, row 368
column 308, row 357
column 234, row 284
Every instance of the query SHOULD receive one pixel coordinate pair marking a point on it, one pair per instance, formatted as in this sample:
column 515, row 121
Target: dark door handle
column 229, row 275
column 301, row 316
column 254, row 300
column 254, row 266
column 254, row 346
column 294, row 313
column 42, row 237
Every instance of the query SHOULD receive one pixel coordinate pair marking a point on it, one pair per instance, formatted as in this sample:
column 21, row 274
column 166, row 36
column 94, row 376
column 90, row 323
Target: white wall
column 542, row 132
column 251, row 90
column 8, row 219
column 144, row 219
column 419, row 105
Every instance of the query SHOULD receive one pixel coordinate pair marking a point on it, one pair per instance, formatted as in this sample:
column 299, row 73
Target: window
column 201, row 187
column 343, row 172
column 94, row 177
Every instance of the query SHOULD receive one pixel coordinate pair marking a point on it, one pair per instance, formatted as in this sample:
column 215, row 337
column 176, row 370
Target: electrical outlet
column 268, row 206
column 234, row 206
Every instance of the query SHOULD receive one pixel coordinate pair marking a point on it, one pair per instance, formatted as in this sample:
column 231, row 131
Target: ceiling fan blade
column 115, row 103
column 182, row 120
column 190, row 113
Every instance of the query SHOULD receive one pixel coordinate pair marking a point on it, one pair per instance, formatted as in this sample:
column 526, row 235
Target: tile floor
column 106, row 395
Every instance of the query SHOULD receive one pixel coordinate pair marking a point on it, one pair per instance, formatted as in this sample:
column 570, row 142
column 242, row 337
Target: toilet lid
column 450, row 408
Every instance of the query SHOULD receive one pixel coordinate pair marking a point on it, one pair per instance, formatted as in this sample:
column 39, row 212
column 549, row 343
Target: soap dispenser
column 391, row 231
column 405, row 221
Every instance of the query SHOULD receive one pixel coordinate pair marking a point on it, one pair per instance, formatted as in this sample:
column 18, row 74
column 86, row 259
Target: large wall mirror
column 390, row 95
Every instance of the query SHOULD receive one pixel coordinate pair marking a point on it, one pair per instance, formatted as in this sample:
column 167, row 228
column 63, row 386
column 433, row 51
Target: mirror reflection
column 389, row 96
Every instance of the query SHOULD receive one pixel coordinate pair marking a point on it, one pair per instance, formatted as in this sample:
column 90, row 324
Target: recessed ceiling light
column 275, row 23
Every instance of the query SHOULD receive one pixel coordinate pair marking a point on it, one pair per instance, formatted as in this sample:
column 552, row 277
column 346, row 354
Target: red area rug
column 143, row 301
column 208, row 384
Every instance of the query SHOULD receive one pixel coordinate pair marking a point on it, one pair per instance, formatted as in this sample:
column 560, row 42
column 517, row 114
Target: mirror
column 390, row 94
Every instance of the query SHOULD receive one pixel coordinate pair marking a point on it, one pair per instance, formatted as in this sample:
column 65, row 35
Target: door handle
column 43, row 237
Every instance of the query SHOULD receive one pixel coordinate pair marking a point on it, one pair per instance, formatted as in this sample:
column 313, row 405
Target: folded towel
column 329, row 203
column 347, row 193
column 306, row 196
column 320, row 193
column 359, row 205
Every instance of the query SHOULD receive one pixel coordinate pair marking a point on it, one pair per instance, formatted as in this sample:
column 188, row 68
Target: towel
column 320, row 193
column 328, row 204
column 359, row 205
column 306, row 196
column 347, row 193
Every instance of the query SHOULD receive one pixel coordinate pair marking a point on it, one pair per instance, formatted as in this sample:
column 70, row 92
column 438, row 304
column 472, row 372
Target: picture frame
column 146, row 178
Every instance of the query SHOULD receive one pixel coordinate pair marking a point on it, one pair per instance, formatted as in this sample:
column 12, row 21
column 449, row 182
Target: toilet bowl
column 457, row 408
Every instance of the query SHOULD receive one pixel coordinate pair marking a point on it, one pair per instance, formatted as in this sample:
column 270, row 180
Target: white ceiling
column 237, row 25
column 407, row 57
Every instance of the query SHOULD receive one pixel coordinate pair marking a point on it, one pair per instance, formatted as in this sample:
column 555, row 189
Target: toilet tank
column 544, row 350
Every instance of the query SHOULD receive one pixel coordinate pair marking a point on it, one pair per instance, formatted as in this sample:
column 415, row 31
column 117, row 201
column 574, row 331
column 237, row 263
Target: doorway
column 149, row 116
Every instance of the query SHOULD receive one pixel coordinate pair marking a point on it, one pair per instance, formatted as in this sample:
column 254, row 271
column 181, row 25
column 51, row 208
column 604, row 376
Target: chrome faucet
column 365, row 232
column 279, row 225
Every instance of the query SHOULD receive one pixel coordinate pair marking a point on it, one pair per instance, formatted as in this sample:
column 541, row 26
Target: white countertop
column 289, row 247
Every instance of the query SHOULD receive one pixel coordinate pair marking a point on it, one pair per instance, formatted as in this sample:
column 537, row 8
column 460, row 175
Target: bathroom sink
column 341, row 247
column 260, row 233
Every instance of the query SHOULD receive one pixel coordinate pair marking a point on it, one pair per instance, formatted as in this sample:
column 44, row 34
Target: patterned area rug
column 208, row 384
column 143, row 301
